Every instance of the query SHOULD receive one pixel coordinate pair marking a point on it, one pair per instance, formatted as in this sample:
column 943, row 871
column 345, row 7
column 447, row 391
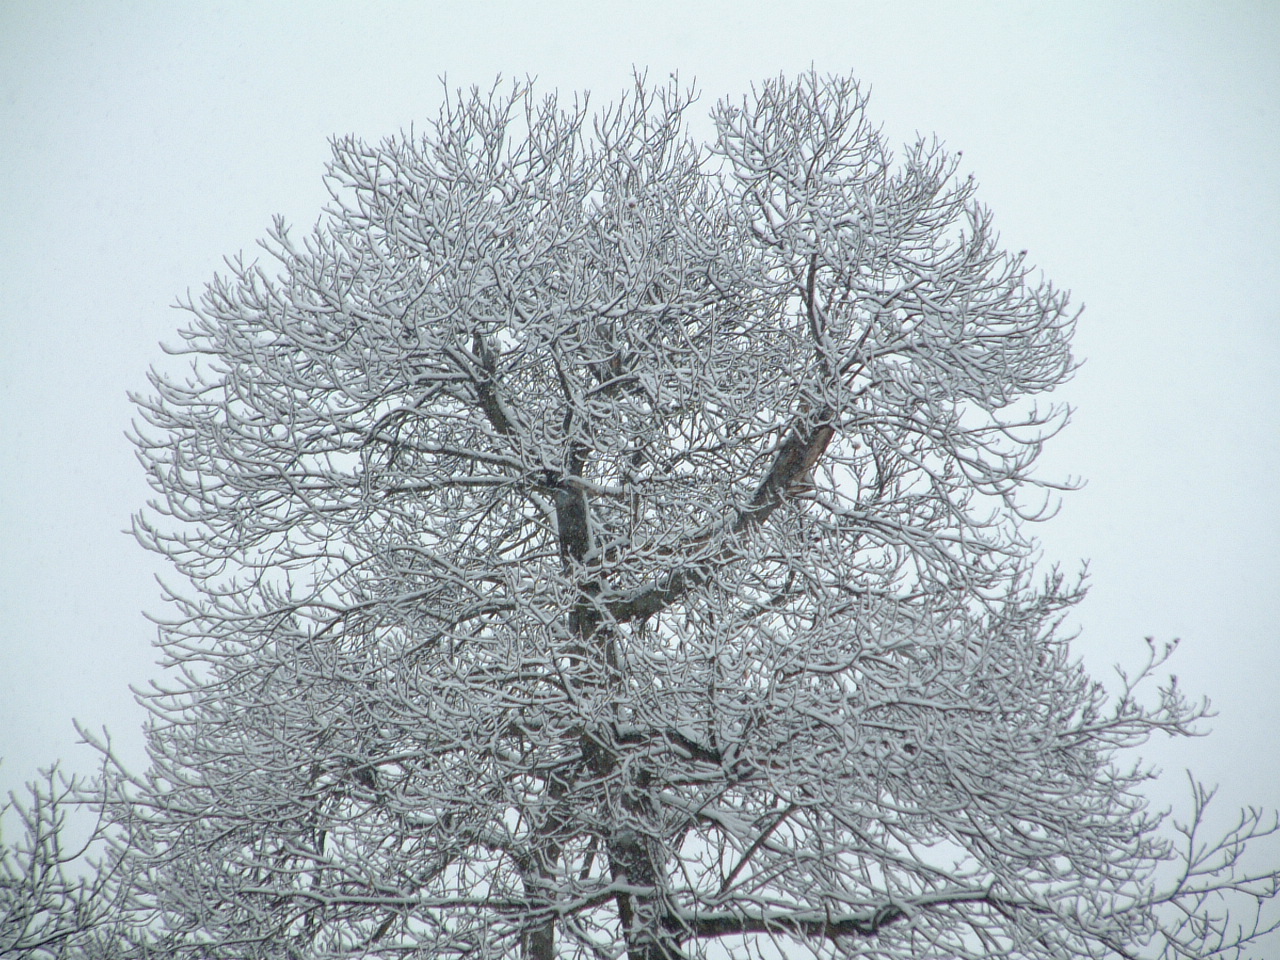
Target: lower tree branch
column 813, row 925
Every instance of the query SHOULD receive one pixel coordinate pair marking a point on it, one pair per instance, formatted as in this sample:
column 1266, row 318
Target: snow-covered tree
column 592, row 545
column 53, row 897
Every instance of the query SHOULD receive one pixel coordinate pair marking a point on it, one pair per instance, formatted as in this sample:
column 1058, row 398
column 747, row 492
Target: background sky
column 1132, row 148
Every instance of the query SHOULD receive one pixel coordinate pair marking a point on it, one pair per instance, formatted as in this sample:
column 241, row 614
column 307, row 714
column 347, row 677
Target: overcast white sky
column 1132, row 148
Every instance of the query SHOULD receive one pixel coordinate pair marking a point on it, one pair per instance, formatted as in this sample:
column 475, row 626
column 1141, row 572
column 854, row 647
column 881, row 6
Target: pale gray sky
column 1132, row 148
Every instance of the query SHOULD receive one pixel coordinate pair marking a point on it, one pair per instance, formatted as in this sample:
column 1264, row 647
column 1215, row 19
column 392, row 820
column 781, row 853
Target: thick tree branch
column 811, row 925
column 789, row 474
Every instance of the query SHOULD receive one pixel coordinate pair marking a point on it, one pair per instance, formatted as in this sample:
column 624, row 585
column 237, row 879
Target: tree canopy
column 593, row 544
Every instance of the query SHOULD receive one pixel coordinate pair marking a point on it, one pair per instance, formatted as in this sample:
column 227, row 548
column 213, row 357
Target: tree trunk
column 648, row 929
column 540, row 942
